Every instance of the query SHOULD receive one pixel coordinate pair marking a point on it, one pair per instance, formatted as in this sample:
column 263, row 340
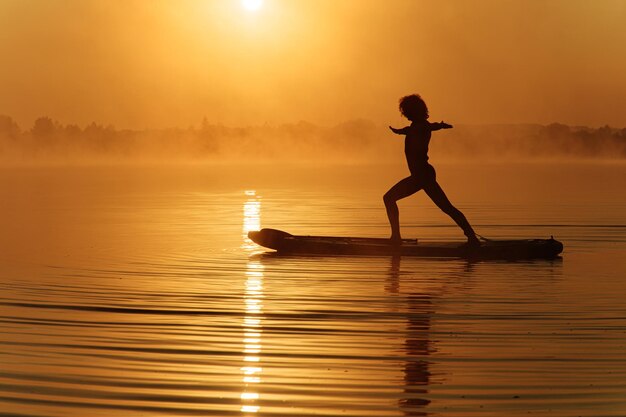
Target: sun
column 252, row 5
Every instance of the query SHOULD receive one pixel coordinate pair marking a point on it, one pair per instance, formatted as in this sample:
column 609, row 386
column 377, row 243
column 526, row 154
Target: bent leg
column 402, row 189
column 435, row 192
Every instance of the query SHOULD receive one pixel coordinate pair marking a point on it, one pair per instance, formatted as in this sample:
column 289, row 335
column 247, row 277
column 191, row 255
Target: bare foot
column 472, row 242
column 395, row 240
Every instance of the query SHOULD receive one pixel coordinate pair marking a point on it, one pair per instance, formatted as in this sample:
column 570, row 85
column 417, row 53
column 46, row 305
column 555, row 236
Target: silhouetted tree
column 72, row 130
column 8, row 127
column 557, row 130
column 44, row 126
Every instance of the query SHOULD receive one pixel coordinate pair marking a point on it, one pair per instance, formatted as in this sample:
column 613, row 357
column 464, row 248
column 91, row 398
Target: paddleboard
column 286, row 243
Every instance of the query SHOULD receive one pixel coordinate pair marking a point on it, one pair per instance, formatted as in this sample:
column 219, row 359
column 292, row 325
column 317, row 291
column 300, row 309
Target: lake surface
column 133, row 291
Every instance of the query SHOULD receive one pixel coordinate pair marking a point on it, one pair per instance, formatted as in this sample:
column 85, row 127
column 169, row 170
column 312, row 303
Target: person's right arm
column 401, row 131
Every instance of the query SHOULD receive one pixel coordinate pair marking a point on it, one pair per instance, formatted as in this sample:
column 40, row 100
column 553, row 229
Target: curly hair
column 413, row 107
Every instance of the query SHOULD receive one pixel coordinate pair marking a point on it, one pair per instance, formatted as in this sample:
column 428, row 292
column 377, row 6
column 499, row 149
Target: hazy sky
column 151, row 63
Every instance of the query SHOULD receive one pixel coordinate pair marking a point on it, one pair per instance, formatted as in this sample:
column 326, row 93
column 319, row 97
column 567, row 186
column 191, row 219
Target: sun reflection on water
column 251, row 218
column 253, row 306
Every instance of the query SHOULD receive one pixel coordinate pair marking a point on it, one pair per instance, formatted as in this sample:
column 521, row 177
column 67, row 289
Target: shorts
column 423, row 173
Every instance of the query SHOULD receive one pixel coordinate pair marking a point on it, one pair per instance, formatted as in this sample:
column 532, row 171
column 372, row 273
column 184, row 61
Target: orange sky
column 139, row 63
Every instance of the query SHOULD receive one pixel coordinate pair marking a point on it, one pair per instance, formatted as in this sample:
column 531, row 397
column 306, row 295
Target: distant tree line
column 355, row 140
column 536, row 141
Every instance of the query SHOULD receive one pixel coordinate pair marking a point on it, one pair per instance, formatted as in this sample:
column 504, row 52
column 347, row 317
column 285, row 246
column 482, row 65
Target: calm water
column 134, row 292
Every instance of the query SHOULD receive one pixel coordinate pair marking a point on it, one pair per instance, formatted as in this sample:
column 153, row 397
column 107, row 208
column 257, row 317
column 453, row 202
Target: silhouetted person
column 423, row 176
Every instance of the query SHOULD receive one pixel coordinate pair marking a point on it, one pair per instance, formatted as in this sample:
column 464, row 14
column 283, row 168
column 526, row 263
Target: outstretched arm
column 440, row 125
column 402, row 131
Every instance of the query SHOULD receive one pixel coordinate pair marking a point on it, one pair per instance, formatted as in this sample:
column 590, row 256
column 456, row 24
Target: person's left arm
column 440, row 125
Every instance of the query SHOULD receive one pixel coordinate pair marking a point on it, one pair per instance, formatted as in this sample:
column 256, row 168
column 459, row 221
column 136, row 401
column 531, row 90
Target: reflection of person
column 417, row 375
column 423, row 176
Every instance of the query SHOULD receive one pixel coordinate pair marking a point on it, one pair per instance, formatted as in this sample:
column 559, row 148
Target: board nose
column 254, row 235
column 270, row 238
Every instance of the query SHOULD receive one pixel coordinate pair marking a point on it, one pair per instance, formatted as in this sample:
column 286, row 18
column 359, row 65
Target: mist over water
column 133, row 290
column 353, row 141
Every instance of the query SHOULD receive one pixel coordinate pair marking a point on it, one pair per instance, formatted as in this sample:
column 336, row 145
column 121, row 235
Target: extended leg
column 436, row 194
column 402, row 189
